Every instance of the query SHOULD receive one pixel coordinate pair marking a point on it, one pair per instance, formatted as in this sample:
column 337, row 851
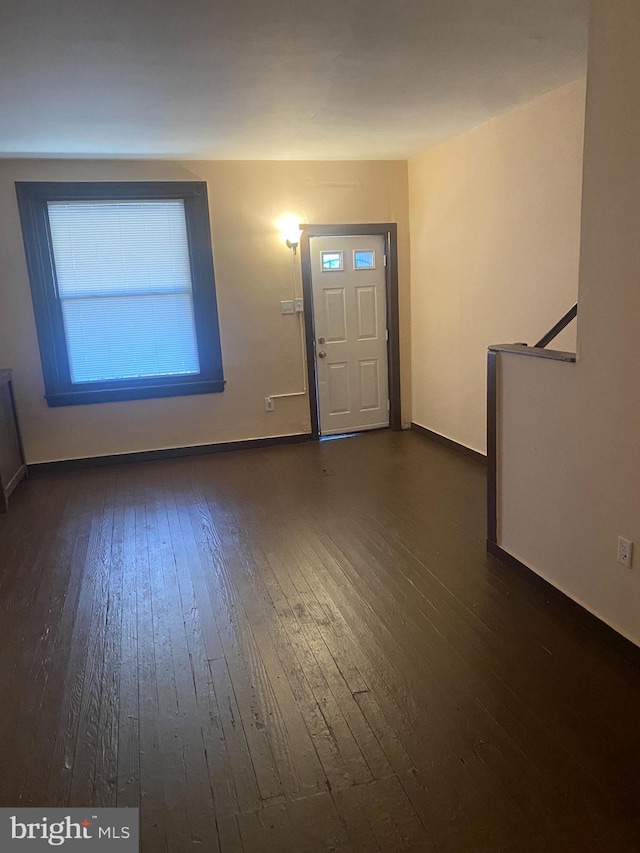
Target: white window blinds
column 124, row 282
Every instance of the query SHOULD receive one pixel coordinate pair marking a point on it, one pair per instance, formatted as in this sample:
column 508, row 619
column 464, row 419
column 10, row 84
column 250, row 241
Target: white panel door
column 350, row 318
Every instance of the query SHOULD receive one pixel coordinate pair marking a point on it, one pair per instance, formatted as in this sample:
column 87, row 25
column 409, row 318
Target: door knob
column 322, row 354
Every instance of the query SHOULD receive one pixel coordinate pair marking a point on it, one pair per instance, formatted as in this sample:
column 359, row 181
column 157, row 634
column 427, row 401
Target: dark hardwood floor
column 305, row 649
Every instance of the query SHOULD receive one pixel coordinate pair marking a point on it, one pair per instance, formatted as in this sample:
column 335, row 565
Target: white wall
column 495, row 234
column 261, row 349
column 570, row 434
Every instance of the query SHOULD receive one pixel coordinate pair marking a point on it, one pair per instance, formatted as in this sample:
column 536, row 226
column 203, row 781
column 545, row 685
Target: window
column 332, row 261
column 364, row 260
column 123, row 289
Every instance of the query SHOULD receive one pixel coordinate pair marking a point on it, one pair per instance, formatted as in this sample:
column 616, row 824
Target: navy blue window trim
column 59, row 389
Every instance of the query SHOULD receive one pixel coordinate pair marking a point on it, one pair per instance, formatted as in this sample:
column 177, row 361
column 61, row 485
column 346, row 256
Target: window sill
column 141, row 392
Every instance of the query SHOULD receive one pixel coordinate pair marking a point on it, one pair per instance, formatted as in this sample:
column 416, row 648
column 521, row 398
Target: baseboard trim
column 589, row 620
column 449, row 442
column 169, row 453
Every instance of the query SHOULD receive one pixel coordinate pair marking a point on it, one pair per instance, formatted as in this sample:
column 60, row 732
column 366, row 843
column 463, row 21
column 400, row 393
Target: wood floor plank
column 268, row 829
column 153, row 783
column 354, row 817
column 316, row 825
column 105, row 784
column 128, row 769
column 229, row 834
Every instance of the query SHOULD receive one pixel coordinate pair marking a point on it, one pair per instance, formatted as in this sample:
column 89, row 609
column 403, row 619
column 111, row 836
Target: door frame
column 389, row 231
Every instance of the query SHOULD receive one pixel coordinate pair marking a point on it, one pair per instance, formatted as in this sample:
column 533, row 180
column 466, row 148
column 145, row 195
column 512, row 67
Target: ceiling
column 272, row 79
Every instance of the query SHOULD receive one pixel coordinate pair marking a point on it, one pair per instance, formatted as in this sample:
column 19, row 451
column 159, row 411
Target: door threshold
column 339, row 435
column 331, row 437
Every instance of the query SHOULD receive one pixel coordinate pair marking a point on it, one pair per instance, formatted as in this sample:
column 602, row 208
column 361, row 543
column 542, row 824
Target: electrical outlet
column 269, row 404
column 287, row 306
column 625, row 551
column 299, row 305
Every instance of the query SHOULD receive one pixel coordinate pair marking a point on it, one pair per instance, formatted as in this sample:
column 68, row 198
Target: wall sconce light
column 293, row 244
column 291, row 232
